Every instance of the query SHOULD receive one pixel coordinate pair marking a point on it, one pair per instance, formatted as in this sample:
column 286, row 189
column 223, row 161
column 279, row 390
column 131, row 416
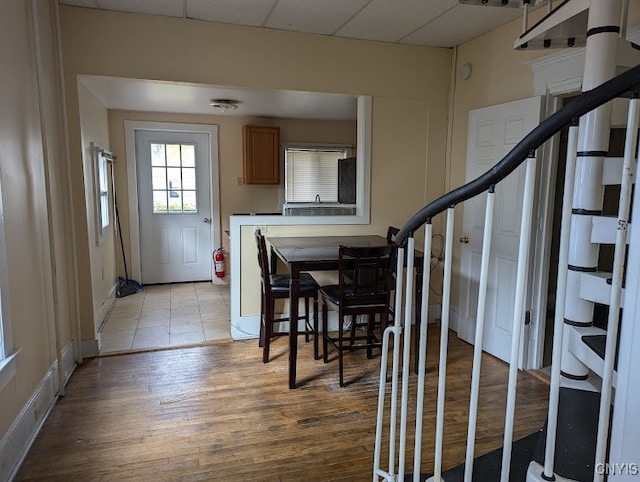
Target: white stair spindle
column 616, row 288
column 444, row 333
column 406, row 347
column 422, row 349
column 396, row 330
column 518, row 312
column 558, row 327
column 477, row 349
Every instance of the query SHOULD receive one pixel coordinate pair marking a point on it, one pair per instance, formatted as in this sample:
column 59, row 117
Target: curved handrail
column 582, row 104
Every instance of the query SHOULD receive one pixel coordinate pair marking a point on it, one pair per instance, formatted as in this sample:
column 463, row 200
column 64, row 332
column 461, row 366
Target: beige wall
column 95, row 129
column 500, row 74
column 234, row 198
column 398, row 77
column 32, row 160
column 409, row 87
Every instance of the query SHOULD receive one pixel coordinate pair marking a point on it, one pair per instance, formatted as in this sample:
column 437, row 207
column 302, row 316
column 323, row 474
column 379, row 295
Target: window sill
column 8, row 369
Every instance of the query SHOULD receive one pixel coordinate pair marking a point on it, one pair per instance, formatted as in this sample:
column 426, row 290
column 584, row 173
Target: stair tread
column 598, row 343
column 594, row 287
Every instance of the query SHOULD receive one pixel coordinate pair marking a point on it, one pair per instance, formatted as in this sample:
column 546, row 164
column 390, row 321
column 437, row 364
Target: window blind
column 312, row 174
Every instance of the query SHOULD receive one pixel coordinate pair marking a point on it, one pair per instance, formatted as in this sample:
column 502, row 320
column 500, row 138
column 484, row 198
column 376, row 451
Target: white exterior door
column 174, row 203
column 493, row 132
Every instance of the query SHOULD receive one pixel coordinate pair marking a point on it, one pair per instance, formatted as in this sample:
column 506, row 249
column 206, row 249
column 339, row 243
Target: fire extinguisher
column 218, row 260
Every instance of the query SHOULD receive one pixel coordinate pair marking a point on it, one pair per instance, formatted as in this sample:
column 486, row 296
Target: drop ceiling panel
column 239, row 12
column 313, row 16
column 171, row 8
column 394, row 19
column 438, row 23
column 460, row 24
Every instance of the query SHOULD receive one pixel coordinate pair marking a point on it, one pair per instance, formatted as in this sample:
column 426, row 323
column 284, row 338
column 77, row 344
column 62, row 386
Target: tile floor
column 164, row 316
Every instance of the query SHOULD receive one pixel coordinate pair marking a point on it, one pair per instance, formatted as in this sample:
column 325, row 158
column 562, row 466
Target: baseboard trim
column 105, row 309
column 17, row 441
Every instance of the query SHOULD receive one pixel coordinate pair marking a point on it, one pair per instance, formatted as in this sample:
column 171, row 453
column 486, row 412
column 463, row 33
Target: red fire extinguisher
column 218, row 259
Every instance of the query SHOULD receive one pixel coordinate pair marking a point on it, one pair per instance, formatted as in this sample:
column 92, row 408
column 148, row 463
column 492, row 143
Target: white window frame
column 348, row 152
column 102, row 191
column 363, row 177
column 7, row 351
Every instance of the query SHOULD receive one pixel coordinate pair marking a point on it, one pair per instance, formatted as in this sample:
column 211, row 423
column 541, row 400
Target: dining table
column 320, row 253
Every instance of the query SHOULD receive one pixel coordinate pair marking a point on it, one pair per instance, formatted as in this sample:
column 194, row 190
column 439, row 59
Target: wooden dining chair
column 362, row 293
column 392, row 231
column 276, row 287
column 391, row 234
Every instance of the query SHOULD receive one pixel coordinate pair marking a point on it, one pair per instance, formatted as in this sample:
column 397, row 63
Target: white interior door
column 174, row 203
column 493, row 132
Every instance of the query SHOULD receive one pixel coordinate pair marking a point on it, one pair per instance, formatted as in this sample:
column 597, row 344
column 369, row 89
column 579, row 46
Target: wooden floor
column 217, row 412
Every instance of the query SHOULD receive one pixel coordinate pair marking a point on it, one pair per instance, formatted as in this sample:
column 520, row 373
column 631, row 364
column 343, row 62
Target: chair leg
column 370, row 323
column 340, row 353
column 325, row 332
column 352, row 340
column 306, row 319
column 262, row 315
column 268, row 330
column 316, row 355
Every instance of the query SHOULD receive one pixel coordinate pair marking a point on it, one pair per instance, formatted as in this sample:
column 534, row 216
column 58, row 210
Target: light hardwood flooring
column 165, row 316
column 216, row 412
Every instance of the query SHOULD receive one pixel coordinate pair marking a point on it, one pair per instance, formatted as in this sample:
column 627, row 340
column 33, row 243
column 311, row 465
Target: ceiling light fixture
column 224, row 104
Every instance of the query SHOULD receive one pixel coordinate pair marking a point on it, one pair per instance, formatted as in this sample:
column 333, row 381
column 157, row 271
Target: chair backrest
column 263, row 259
column 391, row 234
column 365, row 275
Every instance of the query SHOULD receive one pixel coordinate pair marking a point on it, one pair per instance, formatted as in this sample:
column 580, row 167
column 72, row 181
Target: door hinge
column 527, row 317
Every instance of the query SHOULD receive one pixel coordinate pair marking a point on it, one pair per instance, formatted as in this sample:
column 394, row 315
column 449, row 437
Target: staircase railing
column 523, row 151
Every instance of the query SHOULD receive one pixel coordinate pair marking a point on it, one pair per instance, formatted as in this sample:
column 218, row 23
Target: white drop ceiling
column 437, row 23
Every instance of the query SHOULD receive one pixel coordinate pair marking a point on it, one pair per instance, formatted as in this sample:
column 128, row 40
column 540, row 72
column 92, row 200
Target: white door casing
column 493, row 132
column 174, row 206
column 207, row 182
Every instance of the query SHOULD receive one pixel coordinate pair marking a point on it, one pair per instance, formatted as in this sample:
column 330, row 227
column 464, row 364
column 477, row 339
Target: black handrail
column 586, row 102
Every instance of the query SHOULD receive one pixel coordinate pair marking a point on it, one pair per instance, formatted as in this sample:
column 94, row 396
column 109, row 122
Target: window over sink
column 329, row 180
column 311, row 174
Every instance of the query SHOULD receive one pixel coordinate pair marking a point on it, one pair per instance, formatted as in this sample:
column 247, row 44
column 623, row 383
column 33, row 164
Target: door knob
column 464, row 239
column 207, row 220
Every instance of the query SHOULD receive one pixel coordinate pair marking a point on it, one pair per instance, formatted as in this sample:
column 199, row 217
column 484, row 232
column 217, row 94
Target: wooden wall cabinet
column 261, row 155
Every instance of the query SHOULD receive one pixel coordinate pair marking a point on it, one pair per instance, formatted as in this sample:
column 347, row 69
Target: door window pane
column 175, row 201
column 188, row 155
column 189, row 201
column 159, row 178
column 173, row 154
column 160, row 201
column 173, row 178
column 189, row 178
column 158, row 155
